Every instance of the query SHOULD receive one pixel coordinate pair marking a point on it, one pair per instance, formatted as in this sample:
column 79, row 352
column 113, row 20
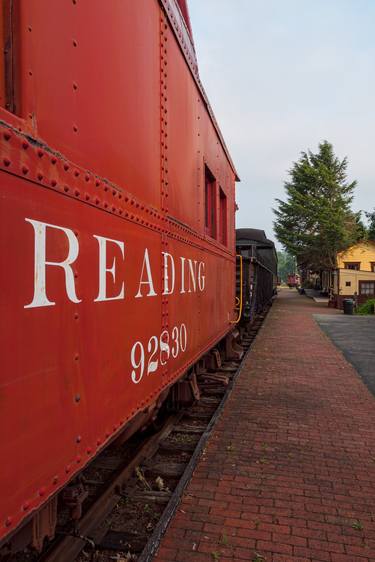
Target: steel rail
column 69, row 547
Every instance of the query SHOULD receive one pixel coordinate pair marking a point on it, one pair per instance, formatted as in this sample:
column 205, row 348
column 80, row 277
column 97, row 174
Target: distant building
column 354, row 276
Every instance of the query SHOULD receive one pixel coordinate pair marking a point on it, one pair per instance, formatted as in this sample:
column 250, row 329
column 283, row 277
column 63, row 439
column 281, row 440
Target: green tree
column 285, row 264
column 371, row 225
column 316, row 221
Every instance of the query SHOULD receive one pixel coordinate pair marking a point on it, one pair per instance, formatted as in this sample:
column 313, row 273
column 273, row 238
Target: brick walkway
column 289, row 471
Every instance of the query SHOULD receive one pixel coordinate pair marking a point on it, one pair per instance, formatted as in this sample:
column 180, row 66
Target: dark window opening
column 210, row 202
column 373, row 266
column 348, row 284
column 367, row 288
column 8, row 66
column 223, row 217
column 352, row 265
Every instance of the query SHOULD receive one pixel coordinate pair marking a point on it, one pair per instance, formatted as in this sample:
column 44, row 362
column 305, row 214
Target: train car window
column 210, row 202
column 7, row 56
column 223, row 217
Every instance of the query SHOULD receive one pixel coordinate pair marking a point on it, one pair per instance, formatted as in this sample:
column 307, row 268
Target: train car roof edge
column 184, row 39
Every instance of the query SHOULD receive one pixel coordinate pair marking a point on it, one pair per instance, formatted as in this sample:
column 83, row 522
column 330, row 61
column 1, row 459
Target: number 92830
column 159, row 351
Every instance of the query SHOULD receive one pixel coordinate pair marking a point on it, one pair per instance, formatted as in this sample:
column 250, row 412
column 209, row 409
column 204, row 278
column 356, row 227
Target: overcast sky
column 281, row 76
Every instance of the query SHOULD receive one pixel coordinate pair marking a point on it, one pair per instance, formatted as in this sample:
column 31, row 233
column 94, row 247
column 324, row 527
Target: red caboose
column 117, row 233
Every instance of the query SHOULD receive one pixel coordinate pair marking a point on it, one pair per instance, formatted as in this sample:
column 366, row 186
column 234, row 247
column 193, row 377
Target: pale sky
column 281, row 76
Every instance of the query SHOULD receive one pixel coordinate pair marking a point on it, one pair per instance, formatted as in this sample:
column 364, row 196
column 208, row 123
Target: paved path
column 355, row 336
column 289, row 472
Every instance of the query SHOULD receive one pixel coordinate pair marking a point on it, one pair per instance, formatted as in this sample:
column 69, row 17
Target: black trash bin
column 348, row 305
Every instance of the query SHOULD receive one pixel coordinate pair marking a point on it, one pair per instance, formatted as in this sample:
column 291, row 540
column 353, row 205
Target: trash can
column 348, row 305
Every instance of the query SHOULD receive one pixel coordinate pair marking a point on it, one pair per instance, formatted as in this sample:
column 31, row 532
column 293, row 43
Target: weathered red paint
column 110, row 140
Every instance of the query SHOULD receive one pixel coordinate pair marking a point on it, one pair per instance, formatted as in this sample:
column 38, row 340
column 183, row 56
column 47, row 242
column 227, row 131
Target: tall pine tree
column 316, row 221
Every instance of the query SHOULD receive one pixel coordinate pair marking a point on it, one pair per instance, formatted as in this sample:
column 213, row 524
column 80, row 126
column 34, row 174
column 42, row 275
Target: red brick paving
column 289, row 472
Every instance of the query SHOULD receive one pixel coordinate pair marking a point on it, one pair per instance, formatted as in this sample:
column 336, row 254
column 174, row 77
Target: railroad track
column 134, row 489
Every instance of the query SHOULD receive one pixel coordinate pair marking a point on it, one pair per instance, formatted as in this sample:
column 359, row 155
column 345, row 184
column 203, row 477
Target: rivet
column 75, row 128
column 120, row 211
column 66, row 167
column 53, row 161
column 97, row 183
column 98, row 442
column 66, row 188
column 75, row 86
column 26, row 506
column 76, row 357
column 8, row 521
column 25, row 145
column 106, row 188
column 30, row 73
column 40, row 176
column 77, row 193
column 87, row 177
column 75, row 43
column 42, row 492
column 78, row 439
column 113, row 209
column 87, row 196
column 88, row 450
column 97, row 201
column 25, row 170
column 40, row 153
column 76, row 316
column 105, row 204
column 55, row 480
column 30, row 28
column 107, row 434
column 7, row 162
column 78, row 459
column 7, row 136
column 67, row 468
column 53, row 183
column 77, row 397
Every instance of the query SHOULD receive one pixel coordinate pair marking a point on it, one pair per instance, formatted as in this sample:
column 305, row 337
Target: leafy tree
column 285, row 264
column 316, row 221
column 362, row 231
column 371, row 226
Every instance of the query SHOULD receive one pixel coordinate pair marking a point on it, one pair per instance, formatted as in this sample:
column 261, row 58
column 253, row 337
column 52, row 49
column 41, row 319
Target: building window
column 372, row 266
column 356, row 265
column 348, row 284
column 8, row 65
column 223, row 217
column 210, row 202
column 367, row 288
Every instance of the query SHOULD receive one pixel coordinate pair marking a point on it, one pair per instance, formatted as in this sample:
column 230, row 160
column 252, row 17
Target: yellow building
column 355, row 274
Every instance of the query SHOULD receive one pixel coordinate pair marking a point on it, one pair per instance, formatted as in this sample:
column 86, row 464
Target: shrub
column 367, row 308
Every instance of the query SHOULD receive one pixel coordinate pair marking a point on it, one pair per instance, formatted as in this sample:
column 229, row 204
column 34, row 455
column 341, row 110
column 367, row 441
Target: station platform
column 288, row 474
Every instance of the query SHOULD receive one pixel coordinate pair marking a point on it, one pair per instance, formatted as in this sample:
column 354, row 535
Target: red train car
column 117, row 234
column 293, row 280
